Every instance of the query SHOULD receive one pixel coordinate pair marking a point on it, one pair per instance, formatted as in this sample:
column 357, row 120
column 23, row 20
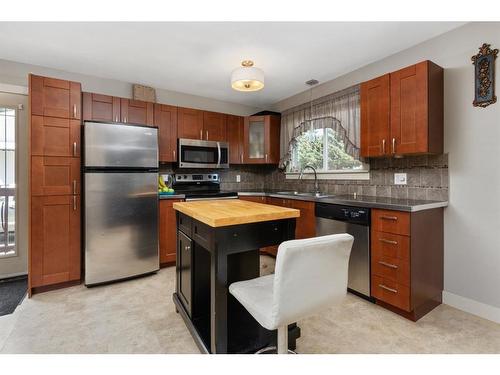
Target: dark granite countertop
column 398, row 204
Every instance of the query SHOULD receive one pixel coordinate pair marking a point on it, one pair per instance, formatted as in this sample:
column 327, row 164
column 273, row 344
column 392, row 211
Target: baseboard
column 473, row 307
column 11, row 275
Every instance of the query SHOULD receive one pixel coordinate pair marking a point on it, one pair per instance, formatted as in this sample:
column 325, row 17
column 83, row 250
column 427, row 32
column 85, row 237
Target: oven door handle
column 218, row 154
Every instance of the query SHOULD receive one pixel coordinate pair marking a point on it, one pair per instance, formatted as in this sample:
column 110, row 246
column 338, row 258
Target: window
column 7, row 181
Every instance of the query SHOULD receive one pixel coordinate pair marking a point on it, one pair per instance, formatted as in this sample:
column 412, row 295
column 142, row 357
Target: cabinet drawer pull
column 74, row 110
column 388, row 265
column 393, row 145
column 387, row 288
column 74, row 202
column 388, row 241
column 207, row 134
column 394, row 218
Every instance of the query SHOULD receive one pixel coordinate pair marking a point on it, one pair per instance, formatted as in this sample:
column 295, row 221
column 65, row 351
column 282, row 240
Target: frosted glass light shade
column 247, row 78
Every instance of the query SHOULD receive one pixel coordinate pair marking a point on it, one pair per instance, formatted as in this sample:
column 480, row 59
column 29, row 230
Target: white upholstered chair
column 310, row 275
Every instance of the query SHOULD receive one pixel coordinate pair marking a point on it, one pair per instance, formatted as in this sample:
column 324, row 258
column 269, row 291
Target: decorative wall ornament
column 484, row 76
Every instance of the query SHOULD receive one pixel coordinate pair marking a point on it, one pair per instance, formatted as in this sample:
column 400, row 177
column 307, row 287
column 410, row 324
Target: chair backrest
column 310, row 275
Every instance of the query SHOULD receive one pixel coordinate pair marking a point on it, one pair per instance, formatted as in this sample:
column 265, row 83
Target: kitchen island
column 218, row 243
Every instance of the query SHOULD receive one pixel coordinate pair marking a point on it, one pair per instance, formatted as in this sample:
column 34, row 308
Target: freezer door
column 121, row 225
column 118, row 146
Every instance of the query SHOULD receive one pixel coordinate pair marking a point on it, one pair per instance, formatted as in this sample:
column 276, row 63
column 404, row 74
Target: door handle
column 125, row 119
column 74, row 148
column 218, row 154
column 1, row 218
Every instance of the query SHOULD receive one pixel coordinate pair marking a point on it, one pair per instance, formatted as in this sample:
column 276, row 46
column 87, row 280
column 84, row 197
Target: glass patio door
column 7, row 181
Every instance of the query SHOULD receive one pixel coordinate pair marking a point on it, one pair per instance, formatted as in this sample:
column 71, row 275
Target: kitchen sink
column 296, row 193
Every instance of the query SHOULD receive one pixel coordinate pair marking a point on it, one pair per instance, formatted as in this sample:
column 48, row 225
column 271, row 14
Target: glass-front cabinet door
column 255, row 139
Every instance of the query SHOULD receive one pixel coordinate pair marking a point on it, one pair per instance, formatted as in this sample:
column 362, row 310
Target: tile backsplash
column 427, row 178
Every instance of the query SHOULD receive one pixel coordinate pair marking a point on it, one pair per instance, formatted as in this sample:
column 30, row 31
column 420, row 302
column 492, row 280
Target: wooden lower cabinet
column 305, row 226
column 407, row 260
column 256, row 199
column 55, row 240
column 168, row 232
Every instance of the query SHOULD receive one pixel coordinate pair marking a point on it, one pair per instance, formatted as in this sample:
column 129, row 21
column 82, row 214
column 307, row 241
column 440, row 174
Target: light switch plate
column 399, row 178
column 238, row 178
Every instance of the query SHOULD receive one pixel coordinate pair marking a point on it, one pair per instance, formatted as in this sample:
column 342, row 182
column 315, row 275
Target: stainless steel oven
column 195, row 153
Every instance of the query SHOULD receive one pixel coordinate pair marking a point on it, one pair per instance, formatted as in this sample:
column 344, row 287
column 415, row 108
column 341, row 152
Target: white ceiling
column 197, row 58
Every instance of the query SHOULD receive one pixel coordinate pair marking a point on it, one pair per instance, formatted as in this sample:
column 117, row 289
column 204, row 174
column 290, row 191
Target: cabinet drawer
column 391, row 292
column 396, row 222
column 256, row 199
column 394, row 269
column 185, row 224
column 390, row 245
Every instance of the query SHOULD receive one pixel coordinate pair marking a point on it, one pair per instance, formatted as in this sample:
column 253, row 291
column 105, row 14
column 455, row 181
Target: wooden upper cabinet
column 417, row 109
column 189, row 123
column 234, row 136
column 214, row 126
column 97, row 107
column 55, row 97
column 375, row 119
column 136, row 112
column 402, row 112
column 165, row 118
column 55, row 136
column 55, row 240
column 261, row 139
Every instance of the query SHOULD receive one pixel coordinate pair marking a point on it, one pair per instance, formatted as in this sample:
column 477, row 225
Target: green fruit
column 170, row 190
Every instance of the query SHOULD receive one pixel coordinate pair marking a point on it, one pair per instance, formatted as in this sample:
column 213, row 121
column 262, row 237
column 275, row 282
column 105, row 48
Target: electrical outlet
column 399, row 178
column 238, row 178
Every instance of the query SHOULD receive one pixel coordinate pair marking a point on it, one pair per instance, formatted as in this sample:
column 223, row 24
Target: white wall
column 472, row 139
column 15, row 73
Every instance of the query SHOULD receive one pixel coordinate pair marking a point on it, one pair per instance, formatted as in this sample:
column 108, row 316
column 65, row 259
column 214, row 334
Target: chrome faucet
column 316, row 185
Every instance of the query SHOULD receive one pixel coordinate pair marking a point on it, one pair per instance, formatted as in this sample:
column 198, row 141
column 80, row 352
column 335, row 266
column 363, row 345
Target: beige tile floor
column 138, row 316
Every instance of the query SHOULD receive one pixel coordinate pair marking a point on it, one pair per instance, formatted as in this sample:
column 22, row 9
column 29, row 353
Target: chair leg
column 283, row 340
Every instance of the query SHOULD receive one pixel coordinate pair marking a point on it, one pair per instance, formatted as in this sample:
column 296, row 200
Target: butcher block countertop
column 225, row 212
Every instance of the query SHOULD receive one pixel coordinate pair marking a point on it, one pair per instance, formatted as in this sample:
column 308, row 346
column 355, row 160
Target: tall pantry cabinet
column 55, row 147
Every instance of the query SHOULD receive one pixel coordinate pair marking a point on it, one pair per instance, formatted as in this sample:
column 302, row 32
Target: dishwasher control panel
column 358, row 215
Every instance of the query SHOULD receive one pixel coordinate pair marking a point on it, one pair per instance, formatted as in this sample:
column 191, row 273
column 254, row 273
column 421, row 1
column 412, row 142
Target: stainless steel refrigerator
column 121, row 201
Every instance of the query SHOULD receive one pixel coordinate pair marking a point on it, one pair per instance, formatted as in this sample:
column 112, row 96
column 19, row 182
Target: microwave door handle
column 218, row 154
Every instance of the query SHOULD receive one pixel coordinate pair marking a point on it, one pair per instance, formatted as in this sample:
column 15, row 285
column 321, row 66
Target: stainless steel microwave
column 194, row 153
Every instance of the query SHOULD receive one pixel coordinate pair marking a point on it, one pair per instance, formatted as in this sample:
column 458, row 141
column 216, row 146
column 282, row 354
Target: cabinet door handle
column 393, row 145
column 266, row 158
column 116, row 118
column 174, row 154
column 394, row 218
column 201, row 134
column 74, row 110
column 74, row 202
column 125, row 119
column 383, row 146
column 387, row 288
column 207, row 134
column 388, row 241
column 388, row 264
column 187, row 247
column 242, row 158
column 74, row 187
column 74, row 148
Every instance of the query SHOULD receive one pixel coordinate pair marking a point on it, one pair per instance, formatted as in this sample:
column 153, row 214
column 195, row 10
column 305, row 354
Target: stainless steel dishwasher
column 334, row 219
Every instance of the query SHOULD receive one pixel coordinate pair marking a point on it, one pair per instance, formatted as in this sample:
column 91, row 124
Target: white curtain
column 339, row 111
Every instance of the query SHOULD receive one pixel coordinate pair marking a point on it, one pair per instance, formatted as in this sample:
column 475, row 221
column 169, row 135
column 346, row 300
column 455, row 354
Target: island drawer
column 390, row 221
column 390, row 245
column 184, row 223
column 391, row 292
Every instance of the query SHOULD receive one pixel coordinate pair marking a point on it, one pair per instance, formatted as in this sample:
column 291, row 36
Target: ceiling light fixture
column 247, row 78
